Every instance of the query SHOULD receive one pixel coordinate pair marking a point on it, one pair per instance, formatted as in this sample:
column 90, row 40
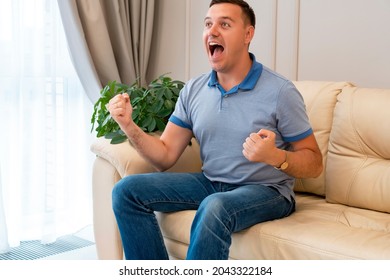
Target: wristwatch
column 284, row 164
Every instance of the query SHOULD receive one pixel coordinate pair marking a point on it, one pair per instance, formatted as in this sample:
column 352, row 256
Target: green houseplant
column 152, row 106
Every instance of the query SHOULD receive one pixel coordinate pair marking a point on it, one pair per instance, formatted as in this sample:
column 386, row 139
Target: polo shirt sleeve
column 292, row 120
column 180, row 116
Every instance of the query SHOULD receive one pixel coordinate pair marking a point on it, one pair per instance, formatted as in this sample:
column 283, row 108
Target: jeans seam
column 161, row 237
column 147, row 203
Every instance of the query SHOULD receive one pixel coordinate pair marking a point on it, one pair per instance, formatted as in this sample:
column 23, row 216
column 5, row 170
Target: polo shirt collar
column 247, row 84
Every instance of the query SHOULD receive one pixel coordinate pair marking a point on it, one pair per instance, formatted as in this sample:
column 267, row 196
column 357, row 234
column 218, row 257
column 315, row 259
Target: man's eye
column 208, row 24
column 225, row 24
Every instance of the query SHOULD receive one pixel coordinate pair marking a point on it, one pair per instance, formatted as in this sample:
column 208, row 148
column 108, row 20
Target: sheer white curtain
column 3, row 230
column 45, row 159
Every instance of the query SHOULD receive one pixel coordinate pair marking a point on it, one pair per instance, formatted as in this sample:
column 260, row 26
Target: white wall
column 348, row 39
column 169, row 48
column 301, row 39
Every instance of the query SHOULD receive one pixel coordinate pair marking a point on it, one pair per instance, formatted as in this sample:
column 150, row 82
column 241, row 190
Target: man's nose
column 213, row 31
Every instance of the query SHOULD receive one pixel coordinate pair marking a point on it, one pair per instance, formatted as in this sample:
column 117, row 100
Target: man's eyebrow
column 220, row 18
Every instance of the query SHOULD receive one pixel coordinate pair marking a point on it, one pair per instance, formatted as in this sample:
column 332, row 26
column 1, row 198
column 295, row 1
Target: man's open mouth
column 215, row 48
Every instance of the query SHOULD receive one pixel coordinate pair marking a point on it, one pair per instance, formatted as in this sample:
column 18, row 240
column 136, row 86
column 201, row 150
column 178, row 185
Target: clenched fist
column 121, row 110
column 260, row 146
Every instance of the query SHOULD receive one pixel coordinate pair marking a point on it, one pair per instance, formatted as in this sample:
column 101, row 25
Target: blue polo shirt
column 221, row 121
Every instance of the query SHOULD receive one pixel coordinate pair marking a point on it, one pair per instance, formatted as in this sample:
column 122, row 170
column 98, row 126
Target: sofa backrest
column 358, row 163
column 320, row 99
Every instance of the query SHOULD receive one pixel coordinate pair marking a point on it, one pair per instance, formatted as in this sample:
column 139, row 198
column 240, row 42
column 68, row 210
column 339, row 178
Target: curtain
column 45, row 159
column 4, row 246
column 113, row 37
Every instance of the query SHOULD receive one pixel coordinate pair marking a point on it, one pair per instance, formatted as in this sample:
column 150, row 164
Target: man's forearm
column 151, row 148
column 304, row 164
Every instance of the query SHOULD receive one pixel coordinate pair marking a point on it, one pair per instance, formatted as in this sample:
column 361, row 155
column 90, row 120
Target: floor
column 86, row 253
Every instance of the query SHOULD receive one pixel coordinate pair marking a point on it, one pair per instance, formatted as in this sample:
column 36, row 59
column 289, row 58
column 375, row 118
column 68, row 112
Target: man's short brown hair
column 246, row 9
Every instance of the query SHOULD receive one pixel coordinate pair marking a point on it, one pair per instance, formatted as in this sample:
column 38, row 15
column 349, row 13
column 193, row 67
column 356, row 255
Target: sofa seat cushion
column 317, row 230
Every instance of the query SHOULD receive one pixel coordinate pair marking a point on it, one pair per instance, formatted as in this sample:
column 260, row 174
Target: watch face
column 284, row 165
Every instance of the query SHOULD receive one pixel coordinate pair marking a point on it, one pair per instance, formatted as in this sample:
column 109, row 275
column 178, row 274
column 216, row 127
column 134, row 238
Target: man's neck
column 236, row 76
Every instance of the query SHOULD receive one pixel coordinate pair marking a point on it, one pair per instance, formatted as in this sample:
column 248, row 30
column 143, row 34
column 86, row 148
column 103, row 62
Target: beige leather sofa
column 343, row 214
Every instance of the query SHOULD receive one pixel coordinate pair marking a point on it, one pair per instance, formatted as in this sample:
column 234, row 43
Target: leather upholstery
column 320, row 100
column 358, row 171
column 342, row 214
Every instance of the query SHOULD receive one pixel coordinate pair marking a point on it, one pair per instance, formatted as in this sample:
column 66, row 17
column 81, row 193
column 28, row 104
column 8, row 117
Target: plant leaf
column 152, row 125
column 118, row 139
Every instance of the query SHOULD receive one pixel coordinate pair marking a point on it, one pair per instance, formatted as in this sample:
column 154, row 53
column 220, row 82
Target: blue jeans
column 221, row 210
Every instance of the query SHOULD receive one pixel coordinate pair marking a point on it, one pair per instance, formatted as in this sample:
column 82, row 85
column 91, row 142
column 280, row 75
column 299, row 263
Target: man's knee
column 215, row 207
column 123, row 191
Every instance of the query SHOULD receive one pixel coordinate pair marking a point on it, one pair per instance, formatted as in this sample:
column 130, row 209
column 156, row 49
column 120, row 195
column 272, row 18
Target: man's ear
column 250, row 32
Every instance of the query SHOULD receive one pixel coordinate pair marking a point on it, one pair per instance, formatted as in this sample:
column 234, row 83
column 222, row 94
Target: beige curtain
column 113, row 37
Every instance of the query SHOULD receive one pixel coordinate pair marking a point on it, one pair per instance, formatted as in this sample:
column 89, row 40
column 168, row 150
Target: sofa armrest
column 112, row 163
column 127, row 161
column 107, row 238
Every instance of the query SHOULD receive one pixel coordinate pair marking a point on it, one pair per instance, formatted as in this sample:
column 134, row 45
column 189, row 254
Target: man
column 254, row 135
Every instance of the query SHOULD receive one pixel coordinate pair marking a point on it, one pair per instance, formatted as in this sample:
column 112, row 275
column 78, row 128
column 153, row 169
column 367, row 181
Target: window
column 45, row 115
